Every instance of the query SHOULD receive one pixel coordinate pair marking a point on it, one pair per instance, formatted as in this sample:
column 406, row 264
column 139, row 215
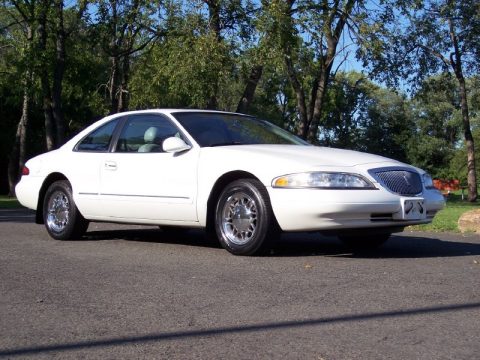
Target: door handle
column 110, row 165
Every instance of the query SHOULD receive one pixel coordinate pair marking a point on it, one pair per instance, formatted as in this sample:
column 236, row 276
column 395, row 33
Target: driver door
column 139, row 181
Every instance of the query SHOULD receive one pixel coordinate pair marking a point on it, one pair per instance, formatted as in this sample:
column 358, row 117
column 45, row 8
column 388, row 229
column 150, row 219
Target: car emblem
column 406, row 180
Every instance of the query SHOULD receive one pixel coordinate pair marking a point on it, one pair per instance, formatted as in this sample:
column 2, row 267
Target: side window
column 145, row 133
column 99, row 139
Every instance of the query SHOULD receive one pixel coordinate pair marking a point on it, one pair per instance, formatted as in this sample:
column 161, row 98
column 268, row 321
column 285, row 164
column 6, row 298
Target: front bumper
column 319, row 209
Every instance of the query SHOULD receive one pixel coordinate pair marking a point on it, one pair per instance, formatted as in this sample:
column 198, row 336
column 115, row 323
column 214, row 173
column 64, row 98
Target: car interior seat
column 153, row 142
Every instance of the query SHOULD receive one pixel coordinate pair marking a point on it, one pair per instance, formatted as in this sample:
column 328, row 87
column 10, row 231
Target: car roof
column 177, row 110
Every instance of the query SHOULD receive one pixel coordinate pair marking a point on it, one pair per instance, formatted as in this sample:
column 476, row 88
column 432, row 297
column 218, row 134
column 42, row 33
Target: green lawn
column 9, row 203
column 447, row 219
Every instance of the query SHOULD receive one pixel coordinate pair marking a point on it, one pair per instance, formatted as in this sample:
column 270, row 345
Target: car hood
column 309, row 156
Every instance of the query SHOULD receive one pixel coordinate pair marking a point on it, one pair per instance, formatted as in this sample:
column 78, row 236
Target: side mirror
column 175, row 145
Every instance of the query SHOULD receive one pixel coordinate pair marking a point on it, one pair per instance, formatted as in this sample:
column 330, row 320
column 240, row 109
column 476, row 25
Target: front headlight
column 322, row 180
column 428, row 181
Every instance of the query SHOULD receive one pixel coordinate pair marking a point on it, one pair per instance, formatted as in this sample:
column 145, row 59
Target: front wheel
column 62, row 218
column 244, row 220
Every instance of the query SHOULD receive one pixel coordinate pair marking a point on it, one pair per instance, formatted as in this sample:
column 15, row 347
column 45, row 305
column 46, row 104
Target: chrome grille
column 399, row 181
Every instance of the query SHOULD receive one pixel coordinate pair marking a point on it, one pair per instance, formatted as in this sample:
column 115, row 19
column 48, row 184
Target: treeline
column 64, row 64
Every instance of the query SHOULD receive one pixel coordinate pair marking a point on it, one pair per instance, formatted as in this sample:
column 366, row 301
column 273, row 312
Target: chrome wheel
column 239, row 218
column 244, row 221
column 58, row 213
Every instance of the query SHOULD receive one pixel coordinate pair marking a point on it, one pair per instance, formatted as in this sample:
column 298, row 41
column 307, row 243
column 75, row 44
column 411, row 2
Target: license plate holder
column 412, row 209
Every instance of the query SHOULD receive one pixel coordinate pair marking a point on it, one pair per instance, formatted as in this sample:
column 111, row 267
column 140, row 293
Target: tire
column 364, row 242
column 244, row 220
column 61, row 216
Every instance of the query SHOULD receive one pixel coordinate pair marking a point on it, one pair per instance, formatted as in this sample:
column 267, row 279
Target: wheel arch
column 217, row 188
column 49, row 180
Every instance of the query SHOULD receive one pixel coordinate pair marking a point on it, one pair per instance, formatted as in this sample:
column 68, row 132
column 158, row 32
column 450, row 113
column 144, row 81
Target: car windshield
column 217, row 129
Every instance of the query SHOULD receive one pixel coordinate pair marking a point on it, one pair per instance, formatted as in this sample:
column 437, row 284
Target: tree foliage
column 433, row 36
column 64, row 64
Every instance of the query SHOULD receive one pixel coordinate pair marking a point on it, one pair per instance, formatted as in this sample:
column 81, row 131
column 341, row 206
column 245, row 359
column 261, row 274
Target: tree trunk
column 249, row 92
column 215, row 27
column 309, row 117
column 114, row 87
column 123, row 94
column 58, row 73
column 114, row 82
column 47, row 111
column 319, row 96
column 13, row 161
column 471, row 173
column 302, row 130
column 45, row 83
column 456, row 62
column 318, row 101
column 212, row 103
column 17, row 155
column 214, row 17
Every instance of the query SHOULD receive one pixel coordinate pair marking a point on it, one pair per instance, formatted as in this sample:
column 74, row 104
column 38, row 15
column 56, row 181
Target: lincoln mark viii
column 242, row 179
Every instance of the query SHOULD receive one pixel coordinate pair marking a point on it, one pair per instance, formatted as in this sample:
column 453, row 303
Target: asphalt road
column 131, row 292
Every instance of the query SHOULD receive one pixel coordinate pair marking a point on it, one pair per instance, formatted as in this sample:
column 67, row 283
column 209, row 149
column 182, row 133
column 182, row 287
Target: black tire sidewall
column 76, row 224
column 260, row 239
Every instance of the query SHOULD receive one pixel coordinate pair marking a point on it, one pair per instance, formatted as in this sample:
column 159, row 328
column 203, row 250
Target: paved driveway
column 133, row 292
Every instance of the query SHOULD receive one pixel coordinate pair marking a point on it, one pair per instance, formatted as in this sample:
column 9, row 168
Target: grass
column 447, row 219
column 7, row 202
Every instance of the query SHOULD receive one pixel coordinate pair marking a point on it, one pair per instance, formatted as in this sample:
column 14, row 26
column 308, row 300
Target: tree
column 125, row 28
column 22, row 20
column 199, row 62
column 437, row 124
column 309, row 39
column 458, row 160
column 434, row 36
column 361, row 115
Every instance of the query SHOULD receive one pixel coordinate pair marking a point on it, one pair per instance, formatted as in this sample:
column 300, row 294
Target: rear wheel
column 244, row 220
column 364, row 241
column 62, row 218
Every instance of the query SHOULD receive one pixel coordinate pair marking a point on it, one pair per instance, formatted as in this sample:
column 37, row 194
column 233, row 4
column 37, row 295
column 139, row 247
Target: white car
column 238, row 177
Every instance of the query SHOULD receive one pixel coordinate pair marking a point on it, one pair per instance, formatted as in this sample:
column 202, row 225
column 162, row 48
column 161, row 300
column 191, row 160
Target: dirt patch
column 470, row 221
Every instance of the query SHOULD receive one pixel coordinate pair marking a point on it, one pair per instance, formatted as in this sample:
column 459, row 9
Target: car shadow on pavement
column 311, row 244
column 181, row 237
column 398, row 246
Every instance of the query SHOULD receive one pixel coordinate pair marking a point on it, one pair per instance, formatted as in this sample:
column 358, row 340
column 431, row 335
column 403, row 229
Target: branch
column 131, row 51
column 157, row 33
column 310, row 7
column 341, row 62
column 457, row 63
column 81, row 10
column 436, row 54
column 20, row 11
column 15, row 22
column 343, row 18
